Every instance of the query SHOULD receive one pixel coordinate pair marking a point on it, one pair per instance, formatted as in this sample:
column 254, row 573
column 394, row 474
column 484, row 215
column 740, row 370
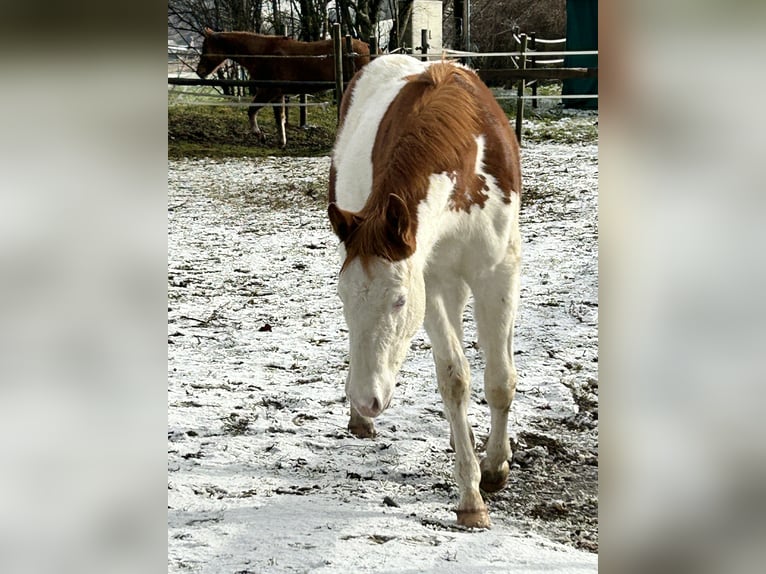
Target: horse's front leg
column 280, row 116
column 453, row 375
column 444, row 326
column 496, row 299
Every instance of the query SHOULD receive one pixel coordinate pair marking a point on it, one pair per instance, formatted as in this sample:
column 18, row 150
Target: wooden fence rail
column 527, row 63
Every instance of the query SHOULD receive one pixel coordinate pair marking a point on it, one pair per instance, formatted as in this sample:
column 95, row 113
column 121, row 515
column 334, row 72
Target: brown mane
column 429, row 128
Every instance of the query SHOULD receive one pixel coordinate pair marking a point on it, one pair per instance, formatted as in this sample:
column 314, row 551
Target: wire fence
column 540, row 62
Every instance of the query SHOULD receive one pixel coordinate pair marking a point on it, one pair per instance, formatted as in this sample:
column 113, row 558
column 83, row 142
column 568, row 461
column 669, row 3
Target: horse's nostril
column 369, row 408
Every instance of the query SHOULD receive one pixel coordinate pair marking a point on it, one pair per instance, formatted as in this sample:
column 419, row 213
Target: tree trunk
column 457, row 18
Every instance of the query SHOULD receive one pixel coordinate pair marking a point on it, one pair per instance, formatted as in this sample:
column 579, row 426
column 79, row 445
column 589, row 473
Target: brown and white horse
column 425, row 188
column 248, row 49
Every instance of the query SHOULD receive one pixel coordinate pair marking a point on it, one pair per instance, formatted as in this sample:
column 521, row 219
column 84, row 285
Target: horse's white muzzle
column 369, row 401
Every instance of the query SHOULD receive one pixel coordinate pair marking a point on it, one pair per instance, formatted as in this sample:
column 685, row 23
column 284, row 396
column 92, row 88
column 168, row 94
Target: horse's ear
column 399, row 224
column 343, row 222
column 208, row 32
column 398, row 215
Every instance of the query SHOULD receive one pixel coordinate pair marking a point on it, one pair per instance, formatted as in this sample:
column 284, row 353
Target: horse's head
column 384, row 304
column 212, row 56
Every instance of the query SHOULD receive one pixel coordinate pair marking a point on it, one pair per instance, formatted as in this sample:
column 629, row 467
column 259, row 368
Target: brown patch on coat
column 470, row 188
column 501, row 149
column 430, row 127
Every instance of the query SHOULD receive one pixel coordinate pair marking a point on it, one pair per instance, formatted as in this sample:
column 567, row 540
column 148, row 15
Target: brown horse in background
column 248, row 49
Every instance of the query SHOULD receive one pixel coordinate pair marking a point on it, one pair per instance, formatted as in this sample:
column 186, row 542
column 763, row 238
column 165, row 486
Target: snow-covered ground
column 262, row 474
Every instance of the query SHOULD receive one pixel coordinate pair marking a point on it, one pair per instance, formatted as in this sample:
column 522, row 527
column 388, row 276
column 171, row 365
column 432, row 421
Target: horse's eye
column 399, row 303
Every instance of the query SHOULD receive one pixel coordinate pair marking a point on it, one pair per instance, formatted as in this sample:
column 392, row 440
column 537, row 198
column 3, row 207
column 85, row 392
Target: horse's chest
column 465, row 243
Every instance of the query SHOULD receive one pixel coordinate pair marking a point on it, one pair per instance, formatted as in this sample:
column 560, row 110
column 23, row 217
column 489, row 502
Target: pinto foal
column 425, row 188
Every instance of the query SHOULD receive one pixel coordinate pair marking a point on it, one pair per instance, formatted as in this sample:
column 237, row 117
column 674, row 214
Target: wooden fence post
column 302, row 110
column 520, row 92
column 424, row 45
column 337, row 51
column 515, row 46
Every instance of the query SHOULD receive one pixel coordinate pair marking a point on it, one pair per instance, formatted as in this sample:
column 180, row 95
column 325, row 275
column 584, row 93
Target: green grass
column 217, row 131
column 550, row 122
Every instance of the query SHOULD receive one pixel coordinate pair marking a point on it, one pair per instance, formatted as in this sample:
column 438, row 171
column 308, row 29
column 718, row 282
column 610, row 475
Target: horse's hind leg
column 444, row 311
column 496, row 299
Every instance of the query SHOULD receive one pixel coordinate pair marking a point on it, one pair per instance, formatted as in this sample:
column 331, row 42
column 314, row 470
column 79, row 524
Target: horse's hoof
column 493, row 480
column 478, row 518
column 361, row 430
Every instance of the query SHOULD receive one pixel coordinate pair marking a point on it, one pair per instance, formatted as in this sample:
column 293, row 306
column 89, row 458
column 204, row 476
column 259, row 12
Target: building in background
column 582, row 34
column 426, row 15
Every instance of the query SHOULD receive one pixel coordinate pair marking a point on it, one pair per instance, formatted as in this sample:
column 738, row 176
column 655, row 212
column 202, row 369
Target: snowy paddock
column 262, row 473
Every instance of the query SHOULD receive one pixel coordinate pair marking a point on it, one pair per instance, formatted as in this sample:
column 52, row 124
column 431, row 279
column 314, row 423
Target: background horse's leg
column 261, row 98
column 495, row 301
column 252, row 112
column 444, row 324
column 280, row 116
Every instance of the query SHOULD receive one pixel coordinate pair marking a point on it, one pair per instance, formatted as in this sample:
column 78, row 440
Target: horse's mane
column 430, row 127
column 440, row 128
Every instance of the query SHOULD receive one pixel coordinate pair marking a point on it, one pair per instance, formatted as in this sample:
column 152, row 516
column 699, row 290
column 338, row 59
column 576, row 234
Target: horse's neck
column 238, row 43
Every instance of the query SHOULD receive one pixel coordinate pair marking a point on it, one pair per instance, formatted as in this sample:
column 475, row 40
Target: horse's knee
column 499, row 397
column 454, row 376
column 500, row 385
